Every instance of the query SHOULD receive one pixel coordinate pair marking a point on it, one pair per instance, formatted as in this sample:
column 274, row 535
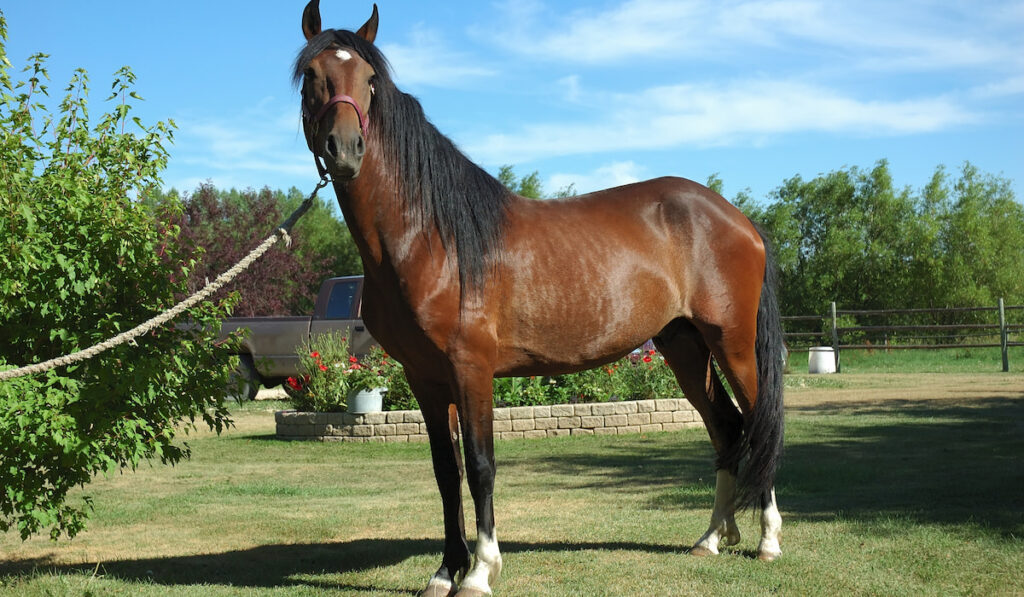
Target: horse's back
column 587, row 278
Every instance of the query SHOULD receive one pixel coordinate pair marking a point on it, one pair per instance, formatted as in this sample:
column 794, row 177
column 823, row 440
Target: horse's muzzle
column 344, row 154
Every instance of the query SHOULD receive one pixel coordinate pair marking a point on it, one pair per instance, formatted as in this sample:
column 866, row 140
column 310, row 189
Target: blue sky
column 591, row 93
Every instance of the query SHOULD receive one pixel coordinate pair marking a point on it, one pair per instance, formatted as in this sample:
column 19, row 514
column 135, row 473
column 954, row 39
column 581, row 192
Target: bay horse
column 466, row 281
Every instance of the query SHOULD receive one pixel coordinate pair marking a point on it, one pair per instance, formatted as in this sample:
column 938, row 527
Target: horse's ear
column 369, row 30
column 311, row 19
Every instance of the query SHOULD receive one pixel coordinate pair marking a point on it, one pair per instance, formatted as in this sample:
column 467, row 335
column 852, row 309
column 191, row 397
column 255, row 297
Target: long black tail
column 763, row 429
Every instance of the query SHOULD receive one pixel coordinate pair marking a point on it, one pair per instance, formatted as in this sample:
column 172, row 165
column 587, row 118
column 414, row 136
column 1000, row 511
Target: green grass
column 950, row 360
column 887, row 497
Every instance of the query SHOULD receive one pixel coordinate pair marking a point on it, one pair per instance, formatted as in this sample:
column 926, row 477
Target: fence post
column 1003, row 336
column 835, row 338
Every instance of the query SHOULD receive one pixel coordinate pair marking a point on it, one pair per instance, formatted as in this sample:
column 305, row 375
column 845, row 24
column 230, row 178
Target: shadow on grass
column 291, row 565
column 914, row 462
column 922, row 461
column 929, row 462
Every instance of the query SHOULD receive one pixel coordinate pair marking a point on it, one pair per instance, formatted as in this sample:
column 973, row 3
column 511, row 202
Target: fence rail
column 838, row 331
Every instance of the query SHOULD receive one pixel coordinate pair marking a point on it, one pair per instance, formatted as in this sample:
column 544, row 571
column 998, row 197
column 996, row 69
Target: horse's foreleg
column 476, row 406
column 443, row 430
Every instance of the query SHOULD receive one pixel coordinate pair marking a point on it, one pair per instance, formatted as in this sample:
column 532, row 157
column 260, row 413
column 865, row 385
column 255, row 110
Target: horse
column 466, row 281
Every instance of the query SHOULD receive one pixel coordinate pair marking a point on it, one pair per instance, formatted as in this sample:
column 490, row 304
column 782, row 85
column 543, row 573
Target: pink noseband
column 364, row 120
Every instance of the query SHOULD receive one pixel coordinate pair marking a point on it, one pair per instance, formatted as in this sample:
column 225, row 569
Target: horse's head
column 337, row 89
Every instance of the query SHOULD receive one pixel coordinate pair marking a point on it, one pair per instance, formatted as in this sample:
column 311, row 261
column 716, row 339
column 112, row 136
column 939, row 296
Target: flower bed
column 519, row 422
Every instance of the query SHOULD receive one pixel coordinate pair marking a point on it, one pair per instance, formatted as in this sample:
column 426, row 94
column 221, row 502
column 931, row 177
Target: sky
column 594, row 94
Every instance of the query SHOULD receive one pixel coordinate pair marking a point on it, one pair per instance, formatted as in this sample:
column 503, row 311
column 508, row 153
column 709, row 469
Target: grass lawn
column 947, row 360
column 893, row 484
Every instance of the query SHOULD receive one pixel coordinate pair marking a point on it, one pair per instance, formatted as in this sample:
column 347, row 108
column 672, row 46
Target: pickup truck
column 268, row 353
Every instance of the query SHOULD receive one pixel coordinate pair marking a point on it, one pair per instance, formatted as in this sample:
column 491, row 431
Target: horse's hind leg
column 443, row 430
column 689, row 357
column 734, row 352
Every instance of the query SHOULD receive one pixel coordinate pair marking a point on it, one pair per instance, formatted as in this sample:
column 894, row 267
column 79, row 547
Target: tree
column 530, row 185
column 982, row 236
column 222, row 227
column 851, row 236
column 80, row 261
column 325, row 235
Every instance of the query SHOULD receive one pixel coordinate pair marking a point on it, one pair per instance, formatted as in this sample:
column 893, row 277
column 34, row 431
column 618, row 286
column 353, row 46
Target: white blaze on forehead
column 343, row 55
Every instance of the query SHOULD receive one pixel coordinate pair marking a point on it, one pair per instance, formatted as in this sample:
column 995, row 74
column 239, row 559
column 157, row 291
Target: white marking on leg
column 771, row 530
column 723, row 521
column 487, row 566
column 343, row 55
column 441, row 581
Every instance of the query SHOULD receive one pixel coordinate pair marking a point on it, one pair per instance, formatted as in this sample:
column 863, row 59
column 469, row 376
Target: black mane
column 442, row 186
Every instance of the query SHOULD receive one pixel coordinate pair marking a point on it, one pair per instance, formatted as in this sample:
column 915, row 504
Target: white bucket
column 366, row 401
column 821, row 359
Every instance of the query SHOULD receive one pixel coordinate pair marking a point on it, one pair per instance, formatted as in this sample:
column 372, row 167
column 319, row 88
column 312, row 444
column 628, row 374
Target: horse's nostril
column 360, row 147
column 332, row 147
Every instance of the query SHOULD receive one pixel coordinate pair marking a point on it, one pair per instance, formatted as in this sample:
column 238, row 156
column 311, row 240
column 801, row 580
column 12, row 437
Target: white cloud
column 571, row 88
column 999, row 89
column 874, row 34
column 744, row 112
column 427, row 60
column 260, row 146
column 609, row 175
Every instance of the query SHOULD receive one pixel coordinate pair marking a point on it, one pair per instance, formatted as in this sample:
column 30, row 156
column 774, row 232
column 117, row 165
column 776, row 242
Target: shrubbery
column 81, row 259
column 331, row 373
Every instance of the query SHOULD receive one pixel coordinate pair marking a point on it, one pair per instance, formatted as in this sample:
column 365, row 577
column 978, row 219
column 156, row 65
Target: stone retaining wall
column 603, row 418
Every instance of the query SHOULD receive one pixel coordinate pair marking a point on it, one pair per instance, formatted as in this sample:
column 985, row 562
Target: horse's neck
column 389, row 237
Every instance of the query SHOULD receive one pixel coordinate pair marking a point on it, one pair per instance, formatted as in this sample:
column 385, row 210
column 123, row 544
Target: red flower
column 353, row 360
column 294, row 383
column 651, row 352
column 355, row 367
column 323, row 367
column 315, row 355
column 647, row 358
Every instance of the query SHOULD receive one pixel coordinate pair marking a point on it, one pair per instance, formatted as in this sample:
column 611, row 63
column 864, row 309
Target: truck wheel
column 245, row 381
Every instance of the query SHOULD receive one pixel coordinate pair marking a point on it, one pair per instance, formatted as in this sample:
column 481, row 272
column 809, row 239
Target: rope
column 280, row 234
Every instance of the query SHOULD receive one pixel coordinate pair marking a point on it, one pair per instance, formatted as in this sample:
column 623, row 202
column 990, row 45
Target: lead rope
column 211, row 287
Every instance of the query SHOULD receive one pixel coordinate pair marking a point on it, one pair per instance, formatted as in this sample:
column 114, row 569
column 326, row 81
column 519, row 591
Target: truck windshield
column 339, row 305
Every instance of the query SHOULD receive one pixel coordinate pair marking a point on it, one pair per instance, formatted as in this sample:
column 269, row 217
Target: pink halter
column 364, row 120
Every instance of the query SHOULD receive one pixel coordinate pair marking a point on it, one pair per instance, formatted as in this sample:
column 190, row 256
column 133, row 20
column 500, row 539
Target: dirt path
column 871, row 388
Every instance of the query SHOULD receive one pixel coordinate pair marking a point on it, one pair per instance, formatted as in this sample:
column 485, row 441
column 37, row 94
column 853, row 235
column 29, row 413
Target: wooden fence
column 908, row 329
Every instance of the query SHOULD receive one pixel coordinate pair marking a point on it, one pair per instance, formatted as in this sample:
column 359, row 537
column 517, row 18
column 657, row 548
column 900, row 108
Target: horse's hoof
column 438, row 590
column 768, row 556
column 700, row 551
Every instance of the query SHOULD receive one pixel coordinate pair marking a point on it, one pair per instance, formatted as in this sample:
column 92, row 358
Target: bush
column 331, row 373
column 80, row 261
column 642, row 376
